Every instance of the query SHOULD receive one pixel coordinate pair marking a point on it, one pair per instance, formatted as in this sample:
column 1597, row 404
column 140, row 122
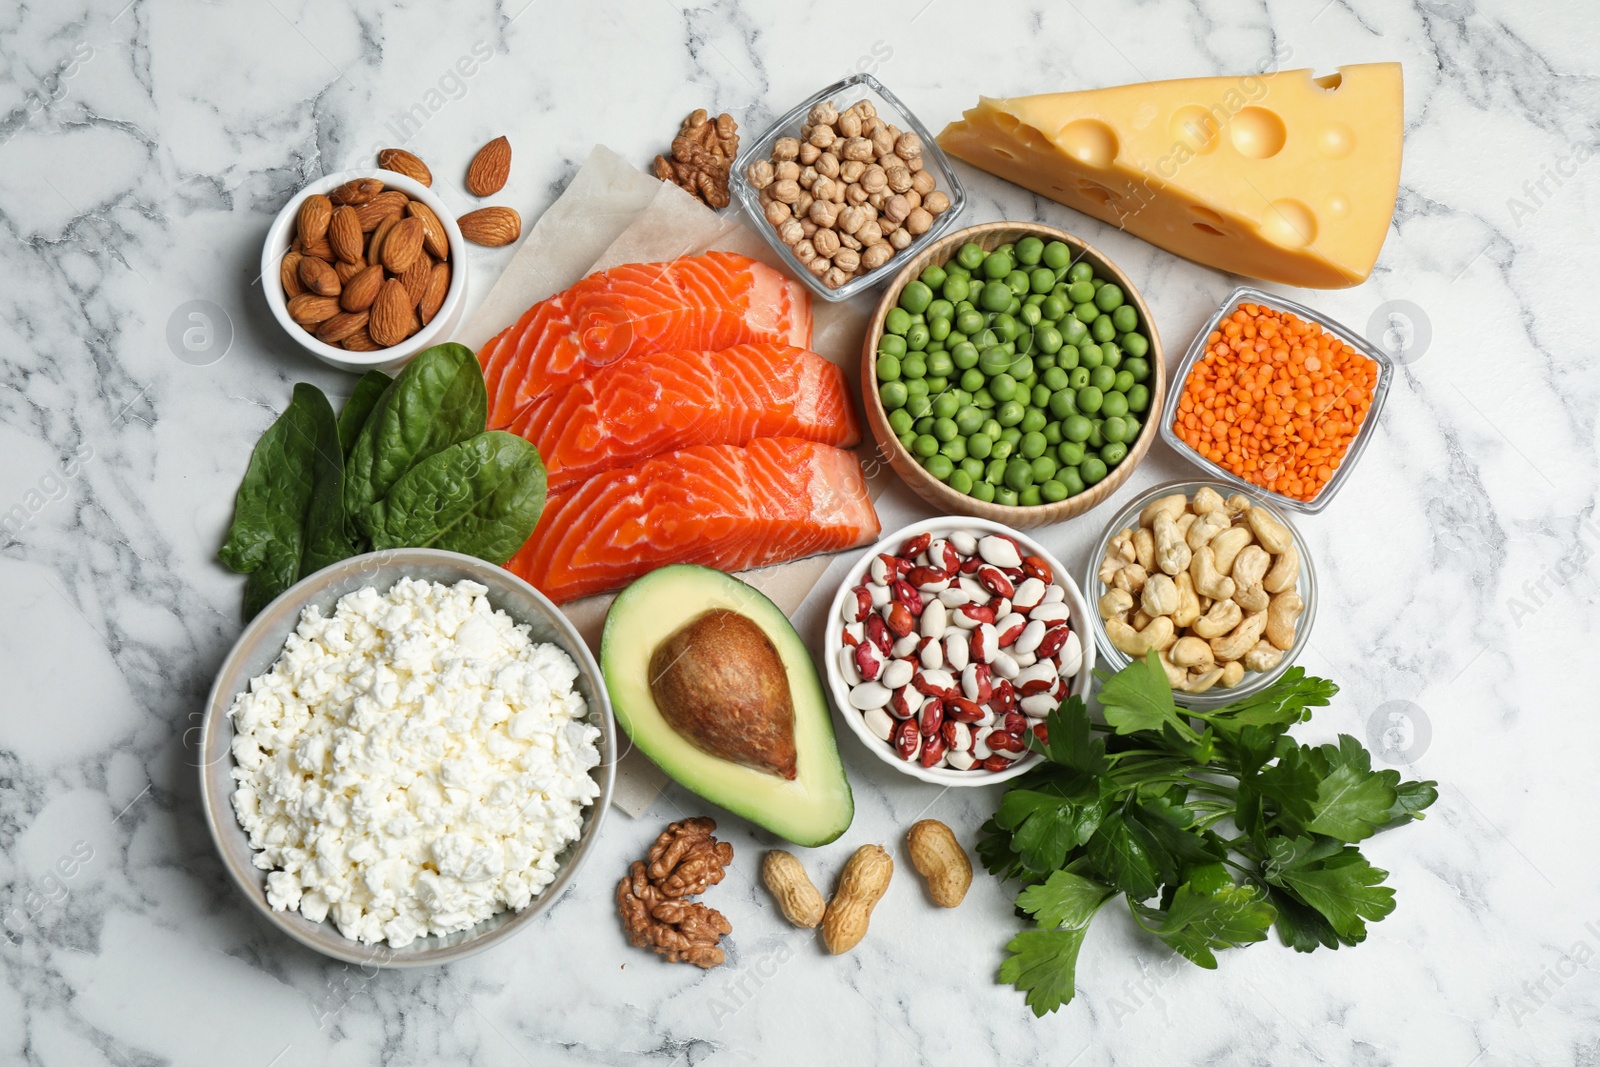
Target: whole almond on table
column 433, row 296
column 490, row 168
column 311, row 223
column 357, row 191
column 434, row 238
column 317, row 276
column 392, row 317
column 402, row 245
column 362, row 290
column 344, row 234
column 491, row 226
column 402, row 162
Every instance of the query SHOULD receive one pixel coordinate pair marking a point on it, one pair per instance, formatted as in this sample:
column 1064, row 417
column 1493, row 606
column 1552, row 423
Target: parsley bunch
column 1145, row 803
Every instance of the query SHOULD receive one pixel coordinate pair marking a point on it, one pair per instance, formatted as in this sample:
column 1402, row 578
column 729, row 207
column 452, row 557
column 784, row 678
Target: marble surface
column 143, row 150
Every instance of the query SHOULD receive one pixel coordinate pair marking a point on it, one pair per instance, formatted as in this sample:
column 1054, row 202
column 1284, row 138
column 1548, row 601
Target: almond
column 341, row 326
column 375, row 245
column 416, row 276
column 490, row 168
column 433, row 296
column 318, row 249
column 344, row 234
column 362, row 290
column 358, row 191
column 402, row 246
column 312, row 220
column 308, row 309
column 433, row 235
column 392, row 318
column 491, row 226
column 289, row 274
column 402, row 162
column 320, row 278
column 375, row 211
column 360, row 341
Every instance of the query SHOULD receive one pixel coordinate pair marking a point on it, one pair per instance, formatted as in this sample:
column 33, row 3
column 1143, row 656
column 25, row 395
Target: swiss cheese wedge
column 1282, row 176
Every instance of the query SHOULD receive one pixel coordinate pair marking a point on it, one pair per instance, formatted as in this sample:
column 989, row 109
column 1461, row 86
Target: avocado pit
column 720, row 684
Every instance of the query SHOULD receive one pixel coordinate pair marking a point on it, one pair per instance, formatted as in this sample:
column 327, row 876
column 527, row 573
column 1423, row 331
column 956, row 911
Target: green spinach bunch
column 406, row 464
column 1215, row 826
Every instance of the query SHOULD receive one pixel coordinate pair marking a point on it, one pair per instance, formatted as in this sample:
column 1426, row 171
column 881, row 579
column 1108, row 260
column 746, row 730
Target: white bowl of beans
column 949, row 642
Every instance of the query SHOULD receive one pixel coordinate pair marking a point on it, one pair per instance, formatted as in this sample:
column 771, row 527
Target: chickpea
column 908, row 145
column 835, row 277
column 822, row 187
column 858, row 149
column 879, row 199
column 913, row 197
column 936, row 203
column 788, row 170
column 822, row 136
column 849, row 124
column 805, row 251
column 922, row 182
column 856, row 193
column 851, row 219
column 874, row 180
column 809, row 153
column 824, row 213
column 896, row 208
column 870, row 234
column 882, row 141
column 850, row 170
column 864, row 108
column 915, row 164
column 786, row 191
column 760, row 174
column 777, row 212
column 919, row 221
column 807, row 227
column 785, row 148
column 826, row 242
column 899, row 179
column 875, row 256
column 823, row 114
column 791, row 231
column 849, row 241
column 827, row 165
column 900, row 238
column 803, row 203
column 847, row 259
column 820, row 266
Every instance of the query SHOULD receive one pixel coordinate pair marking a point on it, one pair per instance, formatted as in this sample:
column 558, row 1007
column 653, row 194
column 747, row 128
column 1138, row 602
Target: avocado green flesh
column 813, row 809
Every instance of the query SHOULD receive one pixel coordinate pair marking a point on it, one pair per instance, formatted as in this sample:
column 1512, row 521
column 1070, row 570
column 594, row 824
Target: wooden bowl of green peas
column 1013, row 372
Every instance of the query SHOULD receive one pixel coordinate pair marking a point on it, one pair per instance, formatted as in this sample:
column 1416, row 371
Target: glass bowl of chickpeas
column 847, row 187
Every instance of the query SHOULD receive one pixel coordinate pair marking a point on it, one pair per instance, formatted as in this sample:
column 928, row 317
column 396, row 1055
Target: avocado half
column 814, row 807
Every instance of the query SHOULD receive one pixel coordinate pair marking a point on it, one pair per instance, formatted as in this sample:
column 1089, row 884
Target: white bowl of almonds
column 847, row 187
column 344, row 290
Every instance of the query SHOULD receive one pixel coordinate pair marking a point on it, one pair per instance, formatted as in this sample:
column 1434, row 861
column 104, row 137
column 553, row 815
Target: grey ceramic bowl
column 260, row 645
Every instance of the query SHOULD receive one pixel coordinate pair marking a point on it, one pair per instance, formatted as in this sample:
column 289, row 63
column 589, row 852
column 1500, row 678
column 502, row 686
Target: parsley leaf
column 1072, row 742
column 1352, row 799
column 1064, row 899
column 1048, row 820
column 1333, row 878
column 1138, row 697
column 1043, row 964
column 1196, row 923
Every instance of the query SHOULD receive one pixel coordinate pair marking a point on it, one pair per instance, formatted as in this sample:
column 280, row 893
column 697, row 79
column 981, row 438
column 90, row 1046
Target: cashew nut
column 1249, row 566
column 1115, row 603
column 1122, row 546
column 1262, row 658
column 1183, row 522
column 1227, row 545
column 1192, row 652
column 1176, row 676
column 1160, row 595
column 1172, row 505
column 1131, row 577
column 1237, row 504
column 1139, row 619
column 1188, row 608
column 1243, row 637
column 1232, row 674
column 1222, row 616
column 1172, row 554
column 1157, row 635
column 1252, row 598
column 1206, row 527
column 1207, row 499
column 1281, row 615
column 1109, row 568
column 1273, row 535
column 1199, row 683
column 1285, row 571
column 1208, row 581
column 1144, row 547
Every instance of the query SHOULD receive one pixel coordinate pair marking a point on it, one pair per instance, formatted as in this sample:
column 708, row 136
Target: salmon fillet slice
column 703, row 302
column 723, row 506
column 640, row 407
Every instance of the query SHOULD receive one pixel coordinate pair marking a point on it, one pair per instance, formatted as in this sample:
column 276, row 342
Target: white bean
column 961, row 761
column 1010, row 628
column 964, row 621
column 847, row 666
column 973, row 589
column 956, row 649
column 880, row 595
column 980, row 742
column 869, row 695
column 939, row 679
column 897, row 672
column 1051, row 613
column 1002, row 608
column 879, row 722
column 1054, row 595
column 954, row 597
column 1070, row 658
column 1030, row 637
column 879, row 571
column 1037, row 672
column 904, row 647
column 935, row 619
column 856, row 631
column 1024, row 659
column 932, row 656
column 969, row 682
column 999, row 551
column 1038, row 705
column 1029, row 595
column 965, row 543
column 961, row 737
column 1005, row 666
column 985, row 642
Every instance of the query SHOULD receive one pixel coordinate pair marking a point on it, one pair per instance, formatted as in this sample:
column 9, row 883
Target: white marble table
column 144, row 150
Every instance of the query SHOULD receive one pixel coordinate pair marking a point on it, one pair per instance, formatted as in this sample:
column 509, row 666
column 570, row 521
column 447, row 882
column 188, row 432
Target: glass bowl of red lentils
column 1276, row 398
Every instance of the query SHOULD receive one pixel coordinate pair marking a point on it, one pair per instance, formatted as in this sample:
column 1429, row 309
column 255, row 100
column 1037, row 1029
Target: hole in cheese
column 1004, row 154
column 1089, row 141
column 1258, row 133
column 1207, row 228
column 1096, row 192
column 1289, row 223
column 1196, row 128
column 1330, row 82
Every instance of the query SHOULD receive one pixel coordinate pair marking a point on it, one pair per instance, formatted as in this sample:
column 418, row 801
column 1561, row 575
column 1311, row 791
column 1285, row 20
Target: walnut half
column 702, row 153
column 685, row 860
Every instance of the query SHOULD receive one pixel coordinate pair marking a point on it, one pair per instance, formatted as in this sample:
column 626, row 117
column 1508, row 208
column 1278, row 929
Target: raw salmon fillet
column 723, row 506
column 639, row 407
column 712, row 300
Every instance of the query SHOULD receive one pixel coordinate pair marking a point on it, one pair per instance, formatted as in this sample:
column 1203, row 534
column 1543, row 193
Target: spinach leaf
column 327, row 537
column 269, row 512
column 439, row 400
column 482, row 497
column 362, row 400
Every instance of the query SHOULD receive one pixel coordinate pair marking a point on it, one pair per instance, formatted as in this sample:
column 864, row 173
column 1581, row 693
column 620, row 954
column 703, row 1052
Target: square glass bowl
column 889, row 107
column 1196, row 351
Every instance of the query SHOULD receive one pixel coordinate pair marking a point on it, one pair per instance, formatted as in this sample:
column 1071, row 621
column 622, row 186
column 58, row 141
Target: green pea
column 960, row 481
column 1048, row 339
column 924, row 424
column 1006, row 327
column 1041, row 280
column 1101, row 329
column 891, row 345
column 1067, row 358
column 955, row 288
column 1041, row 396
column 1080, row 272
column 918, row 405
column 1077, row 378
column 939, row 466
column 1115, row 403
column 1033, row 420
column 1010, row 413
column 917, row 337
column 1097, row 282
column 1054, row 308
column 1076, row 429
column 1022, row 368
column 1032, row 445
column 897, row 321
column 972, row 379
column 1113, row 452
column 914, row 366
column 1134, row 426
column 888, row 368
column 1019, row 474
column 964, row 355
column 940, row 364
column 1097, row 433
column 1111, row 353
column 956, row 270
column 1031, row 316
column 1044, row 467
column 1017, row 282
column 893, row 395
column 1070, row 453
column 1053, row 491
column 1114, row 429
column 994, row 296
column 1063, row 403
column 1138, row 397
column 938, row 330
column 970, row 256
column 1137, row 366
column 1043, row 361
column 997, row 265
column 995, row 360
column 1054, row 379
column 1102, row 377
column 984, row 492
column 972, row 466
column 1085, row 312
column 955, row 448
column 916, row 386
column 1003, row 387
column 1080, row 292
column 1090, row 356
column 1014, row 307
column 1074, row 332
column 1002, row 451
column 1057, row 255
column 926, row 445
column 1125, row 318
column 1029, row 497
column 986, row 338
column 1091, row 470
column 945, row 406
column 936, row 384
column 1136, row 344
column 1030, row 250
column 900, row 419
column 984, row 400
column 1108, row 297
column 979, row 445
column 916, row 297
column 908, row 440
column 995, row 472
column 932, row 276
column 969, row 322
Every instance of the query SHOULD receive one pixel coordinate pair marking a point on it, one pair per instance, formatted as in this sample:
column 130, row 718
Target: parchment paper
column 613, row 213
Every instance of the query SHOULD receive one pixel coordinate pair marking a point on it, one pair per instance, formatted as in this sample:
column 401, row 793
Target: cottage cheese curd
column 411, row 764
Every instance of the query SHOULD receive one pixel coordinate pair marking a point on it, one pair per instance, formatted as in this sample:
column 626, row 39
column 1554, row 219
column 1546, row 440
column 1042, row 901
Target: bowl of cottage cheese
column 406, row 757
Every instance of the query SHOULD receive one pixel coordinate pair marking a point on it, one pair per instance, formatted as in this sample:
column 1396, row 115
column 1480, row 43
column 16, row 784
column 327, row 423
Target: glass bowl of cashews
column 1215, row 581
